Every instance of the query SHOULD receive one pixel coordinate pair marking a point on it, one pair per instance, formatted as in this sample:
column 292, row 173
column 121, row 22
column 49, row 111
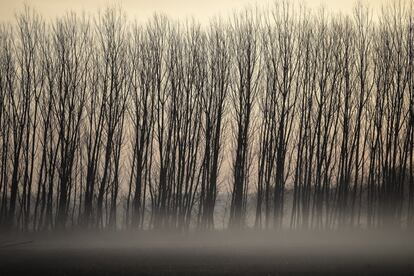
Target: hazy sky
column 202, row 10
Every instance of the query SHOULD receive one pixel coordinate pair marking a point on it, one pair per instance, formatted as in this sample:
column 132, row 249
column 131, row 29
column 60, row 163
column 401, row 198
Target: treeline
column 107, row 124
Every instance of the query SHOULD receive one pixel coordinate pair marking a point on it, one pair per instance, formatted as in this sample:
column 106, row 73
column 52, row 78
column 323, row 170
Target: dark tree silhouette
column 308, row 116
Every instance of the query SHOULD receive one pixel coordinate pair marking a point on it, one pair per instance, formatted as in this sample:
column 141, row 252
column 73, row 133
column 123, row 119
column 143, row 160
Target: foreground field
column 221, row 253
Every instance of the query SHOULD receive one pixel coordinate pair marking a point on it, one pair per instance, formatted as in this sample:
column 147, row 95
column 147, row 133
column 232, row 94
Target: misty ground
column 218, row 253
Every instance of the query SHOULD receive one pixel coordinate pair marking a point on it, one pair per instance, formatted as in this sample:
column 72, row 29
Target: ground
column 218, row 253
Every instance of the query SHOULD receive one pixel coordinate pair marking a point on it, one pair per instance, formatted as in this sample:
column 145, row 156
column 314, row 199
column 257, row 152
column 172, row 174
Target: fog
column 220, row 252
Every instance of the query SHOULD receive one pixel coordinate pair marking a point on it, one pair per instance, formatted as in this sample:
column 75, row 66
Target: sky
column 201, row 10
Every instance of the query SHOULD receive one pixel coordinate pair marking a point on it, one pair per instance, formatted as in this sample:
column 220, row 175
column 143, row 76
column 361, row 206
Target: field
column 218, row 253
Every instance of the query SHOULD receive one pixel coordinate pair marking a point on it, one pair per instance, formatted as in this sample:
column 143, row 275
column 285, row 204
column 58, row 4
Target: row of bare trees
column 305, row 118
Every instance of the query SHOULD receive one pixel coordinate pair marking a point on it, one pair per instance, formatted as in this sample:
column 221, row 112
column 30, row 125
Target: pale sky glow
column 142, row 9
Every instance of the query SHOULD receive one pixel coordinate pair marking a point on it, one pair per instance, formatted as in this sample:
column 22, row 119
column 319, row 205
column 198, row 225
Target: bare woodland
column 300, row 119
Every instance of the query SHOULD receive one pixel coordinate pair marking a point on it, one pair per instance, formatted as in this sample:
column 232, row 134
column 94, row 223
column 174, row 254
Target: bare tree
column 245, row 84
column 113, row 84
column 213, row 106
